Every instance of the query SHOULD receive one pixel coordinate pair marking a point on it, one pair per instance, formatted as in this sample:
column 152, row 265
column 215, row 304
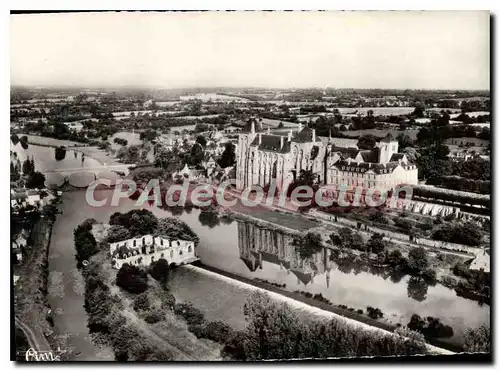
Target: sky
column 368, row 49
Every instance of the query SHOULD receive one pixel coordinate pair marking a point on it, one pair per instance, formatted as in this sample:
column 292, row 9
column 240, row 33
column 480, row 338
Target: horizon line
column 215, row 87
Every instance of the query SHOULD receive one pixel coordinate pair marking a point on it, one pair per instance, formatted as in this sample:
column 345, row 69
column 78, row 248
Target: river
column 252, row 252
column 258, row 253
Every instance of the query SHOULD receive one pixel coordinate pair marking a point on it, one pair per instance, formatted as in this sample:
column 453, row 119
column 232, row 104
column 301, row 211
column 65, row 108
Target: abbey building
column 262, row 157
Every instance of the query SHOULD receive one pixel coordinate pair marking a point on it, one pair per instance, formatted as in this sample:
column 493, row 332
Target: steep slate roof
column 370, row 156
column 303, row 277
column 272, row 143
column 396, row 157
column 274, row 259
column 339, row 142
column 286, row 264
column 248, row 263
column 345, row 152
column 364, row 167
column 271, row 258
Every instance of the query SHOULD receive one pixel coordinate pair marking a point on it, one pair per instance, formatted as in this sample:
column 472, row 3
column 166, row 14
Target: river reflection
column 251, row 251
column 254, row 252
column 47, row 160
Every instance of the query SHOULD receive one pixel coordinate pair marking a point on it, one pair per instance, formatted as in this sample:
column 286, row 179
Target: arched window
column 135, row 243
column 171, row 253
column 143, row 240
column 189, row 248
column 161, row 241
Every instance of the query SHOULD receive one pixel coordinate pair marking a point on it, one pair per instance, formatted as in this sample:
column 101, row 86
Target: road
column 36, row 341
column 337, row 224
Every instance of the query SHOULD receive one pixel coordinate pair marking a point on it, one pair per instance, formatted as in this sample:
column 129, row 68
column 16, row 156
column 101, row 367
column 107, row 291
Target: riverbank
column 136, row 330
column 32, row 309
column 66, row 290
column 259, row 221
column 344, row 313
column 222, row 246
column 102, row 156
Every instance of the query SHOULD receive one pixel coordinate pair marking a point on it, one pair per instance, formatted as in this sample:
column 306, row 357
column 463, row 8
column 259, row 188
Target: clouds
column 274, row 49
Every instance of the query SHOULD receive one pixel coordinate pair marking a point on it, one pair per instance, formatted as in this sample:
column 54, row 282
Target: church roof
column 339, row 142
column 305, row 278
column 345, row 152
column 397, row 157
column 370, row 156
column 271, row 258
column 248, row 263
column 272, row 143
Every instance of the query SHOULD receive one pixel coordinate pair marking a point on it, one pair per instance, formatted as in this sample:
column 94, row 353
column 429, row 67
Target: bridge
column 122, row 169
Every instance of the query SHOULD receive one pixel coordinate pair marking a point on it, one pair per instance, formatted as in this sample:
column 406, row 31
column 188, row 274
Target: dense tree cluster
column 275, row 331
column 458, row 232
column 478, row 340
column 85, row 243
column 132, row 279
column 228, row 157
column 159, row 271
column 137, row 222
column 430, row 327
column 308, row 245
column 120, row 141
column 104, row 318
column 60, row 153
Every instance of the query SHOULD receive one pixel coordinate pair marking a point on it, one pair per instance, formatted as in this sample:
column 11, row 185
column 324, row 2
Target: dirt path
column 36, row 341
column 172, row 333
column 144, row 327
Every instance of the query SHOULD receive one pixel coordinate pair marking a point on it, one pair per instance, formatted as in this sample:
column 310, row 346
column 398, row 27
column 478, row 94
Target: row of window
column 173, row 243
column 162, row 254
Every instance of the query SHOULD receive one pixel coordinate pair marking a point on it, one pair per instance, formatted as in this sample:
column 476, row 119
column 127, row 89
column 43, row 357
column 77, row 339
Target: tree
column 418, row 260
column 417, row 289
column 141, row 302
column 118, row 233
column 478, row 340
column 149, row 135
column 159, row 271
column 85, row 243
column 154, row 316
column 36, row 180
column 418, row 111
column 167, row 300
column 308, row 245
column 132, row 279
column 14, row 138
column 14, row 173
column 138, row 222
column 457, row 232
column 376, row 243
column 201, row 140
column 404, row 141
column 275, row 331
column 404, row 223
column 209, row 216
column 28, row 167
column 367, row 141
column 60, row 153
column 228, row 157
column 395, row 258
column 197, row 154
